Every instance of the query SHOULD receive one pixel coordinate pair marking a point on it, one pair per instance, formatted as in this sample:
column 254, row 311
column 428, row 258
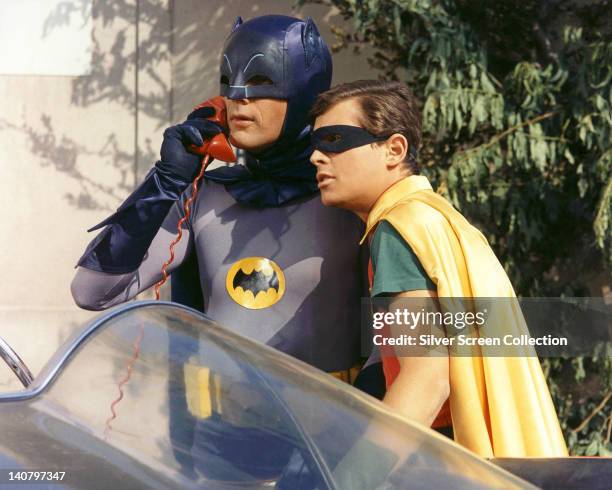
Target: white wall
column 68, row 157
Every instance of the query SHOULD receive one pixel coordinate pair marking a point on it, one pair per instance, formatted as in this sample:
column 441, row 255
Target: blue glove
column 121, row 246
column 176, row 159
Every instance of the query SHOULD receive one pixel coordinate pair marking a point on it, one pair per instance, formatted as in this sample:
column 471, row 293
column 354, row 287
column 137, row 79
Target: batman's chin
column 247, row 140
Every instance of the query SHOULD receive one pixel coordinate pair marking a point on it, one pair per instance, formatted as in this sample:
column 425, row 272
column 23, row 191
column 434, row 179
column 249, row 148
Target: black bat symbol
column 255, row 282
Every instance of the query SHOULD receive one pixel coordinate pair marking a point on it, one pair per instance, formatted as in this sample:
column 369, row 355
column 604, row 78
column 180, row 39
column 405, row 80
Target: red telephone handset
column 218, row 147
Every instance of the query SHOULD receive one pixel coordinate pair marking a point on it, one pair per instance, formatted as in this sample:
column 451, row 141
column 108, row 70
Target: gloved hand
column 176, row 159
column 121, row 246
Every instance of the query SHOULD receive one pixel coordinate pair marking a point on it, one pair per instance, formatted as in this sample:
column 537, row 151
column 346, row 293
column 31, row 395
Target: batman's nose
column 237, row 92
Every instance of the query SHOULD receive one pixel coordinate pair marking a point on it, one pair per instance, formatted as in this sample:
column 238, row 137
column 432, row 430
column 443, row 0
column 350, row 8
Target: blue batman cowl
column 293, row 56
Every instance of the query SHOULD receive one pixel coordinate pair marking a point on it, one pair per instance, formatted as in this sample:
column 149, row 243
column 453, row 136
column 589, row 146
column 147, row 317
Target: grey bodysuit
column 317, row 319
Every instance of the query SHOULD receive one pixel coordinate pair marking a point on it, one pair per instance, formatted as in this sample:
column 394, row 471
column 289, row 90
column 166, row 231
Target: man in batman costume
column 249, row 222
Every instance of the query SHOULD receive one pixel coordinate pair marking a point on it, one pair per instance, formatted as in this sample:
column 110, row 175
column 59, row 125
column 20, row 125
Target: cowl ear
column 237, row 23
column 310, row 40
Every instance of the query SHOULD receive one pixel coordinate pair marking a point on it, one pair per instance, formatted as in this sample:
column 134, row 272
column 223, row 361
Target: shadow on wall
column 62, row 152
column 108, row 81
column 132, row 41
column 129, row 42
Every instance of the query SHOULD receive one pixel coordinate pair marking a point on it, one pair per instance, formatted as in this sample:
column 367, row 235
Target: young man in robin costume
column 365, row 139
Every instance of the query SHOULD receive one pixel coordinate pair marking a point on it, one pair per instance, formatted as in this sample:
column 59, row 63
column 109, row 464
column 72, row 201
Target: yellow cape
column 500, row 406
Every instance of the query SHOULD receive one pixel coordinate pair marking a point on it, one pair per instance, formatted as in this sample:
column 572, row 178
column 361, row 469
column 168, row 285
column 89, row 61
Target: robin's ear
column 397, row 149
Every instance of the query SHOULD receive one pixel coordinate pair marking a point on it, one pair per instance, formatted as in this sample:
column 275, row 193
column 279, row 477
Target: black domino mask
column 340, row 137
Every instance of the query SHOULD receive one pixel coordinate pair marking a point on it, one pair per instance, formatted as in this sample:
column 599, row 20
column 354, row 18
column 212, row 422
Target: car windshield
column 176, row 392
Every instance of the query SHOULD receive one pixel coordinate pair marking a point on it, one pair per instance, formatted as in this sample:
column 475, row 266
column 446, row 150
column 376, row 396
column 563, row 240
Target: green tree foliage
column 517, row 122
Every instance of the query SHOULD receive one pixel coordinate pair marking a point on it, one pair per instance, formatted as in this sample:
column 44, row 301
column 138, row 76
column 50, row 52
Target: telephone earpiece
column 218, row 147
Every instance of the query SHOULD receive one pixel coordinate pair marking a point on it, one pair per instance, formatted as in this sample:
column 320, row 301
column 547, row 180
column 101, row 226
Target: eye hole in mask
column 224, row 80
column 331, row 138
column 339, row 138
column 259, row 80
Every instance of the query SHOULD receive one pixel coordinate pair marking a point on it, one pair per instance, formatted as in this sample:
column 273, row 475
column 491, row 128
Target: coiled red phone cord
column 136, row 345
column 180, row 224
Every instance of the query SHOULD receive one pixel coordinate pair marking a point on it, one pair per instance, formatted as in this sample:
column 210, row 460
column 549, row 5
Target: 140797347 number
column 35, row 475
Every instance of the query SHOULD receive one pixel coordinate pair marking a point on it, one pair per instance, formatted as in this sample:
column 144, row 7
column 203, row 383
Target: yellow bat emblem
column 255, row 282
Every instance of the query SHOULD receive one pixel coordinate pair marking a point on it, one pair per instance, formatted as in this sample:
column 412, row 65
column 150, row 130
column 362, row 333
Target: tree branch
column 595, row 411
column 508, row 131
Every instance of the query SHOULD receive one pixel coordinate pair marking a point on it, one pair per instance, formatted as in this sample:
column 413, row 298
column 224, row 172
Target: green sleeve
column 396, row 267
